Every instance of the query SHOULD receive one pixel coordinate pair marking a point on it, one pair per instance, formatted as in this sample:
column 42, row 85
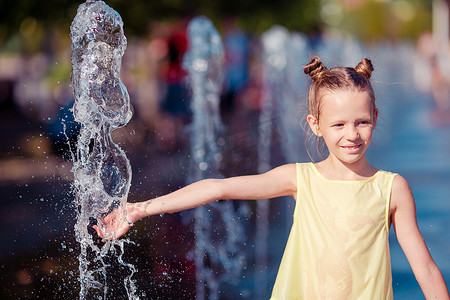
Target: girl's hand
column 118, row 222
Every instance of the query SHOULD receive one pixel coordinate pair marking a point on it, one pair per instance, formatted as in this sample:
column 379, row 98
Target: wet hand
column 118, row 222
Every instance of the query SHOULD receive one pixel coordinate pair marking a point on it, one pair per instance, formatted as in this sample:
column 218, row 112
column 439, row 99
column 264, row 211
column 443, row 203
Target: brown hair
column 329, row 80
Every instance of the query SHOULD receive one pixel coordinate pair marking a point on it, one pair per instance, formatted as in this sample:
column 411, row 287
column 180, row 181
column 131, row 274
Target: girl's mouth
column 352, row 148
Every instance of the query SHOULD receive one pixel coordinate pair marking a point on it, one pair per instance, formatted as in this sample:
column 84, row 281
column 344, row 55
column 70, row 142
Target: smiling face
column 346, row 121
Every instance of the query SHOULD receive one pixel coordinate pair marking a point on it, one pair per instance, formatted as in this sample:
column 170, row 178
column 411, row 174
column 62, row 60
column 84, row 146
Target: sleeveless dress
column 338, row 246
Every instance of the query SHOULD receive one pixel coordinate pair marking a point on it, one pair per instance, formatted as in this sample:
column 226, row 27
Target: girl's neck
column 335, row 169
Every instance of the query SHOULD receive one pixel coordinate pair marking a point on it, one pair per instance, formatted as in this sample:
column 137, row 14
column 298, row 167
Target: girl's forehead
column 346, row 102
column 346, row 98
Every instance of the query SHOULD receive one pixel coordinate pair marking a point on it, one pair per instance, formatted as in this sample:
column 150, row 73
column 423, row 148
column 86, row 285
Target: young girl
column 338, row 246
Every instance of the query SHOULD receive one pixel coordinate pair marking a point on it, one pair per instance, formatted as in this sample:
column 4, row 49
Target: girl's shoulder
column 400, row 188
column 286, row 169
column 402, row 199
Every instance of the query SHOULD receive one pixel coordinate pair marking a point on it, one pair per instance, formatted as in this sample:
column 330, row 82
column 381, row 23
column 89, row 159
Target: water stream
column 102, row 172
column 218, row 235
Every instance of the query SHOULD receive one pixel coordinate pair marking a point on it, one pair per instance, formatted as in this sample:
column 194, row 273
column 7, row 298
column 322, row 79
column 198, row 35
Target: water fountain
column 102, row 172
column 278, row 101
column 218, row 257
column 285, row 92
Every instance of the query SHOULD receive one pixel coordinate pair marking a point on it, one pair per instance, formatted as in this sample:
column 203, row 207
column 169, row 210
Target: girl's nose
column 352, row 133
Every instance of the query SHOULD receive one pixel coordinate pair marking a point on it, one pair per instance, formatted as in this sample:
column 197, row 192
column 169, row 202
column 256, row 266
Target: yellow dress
column 338, row 246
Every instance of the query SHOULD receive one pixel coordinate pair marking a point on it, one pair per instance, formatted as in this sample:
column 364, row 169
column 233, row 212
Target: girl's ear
column 375, row 118
column 314, row 125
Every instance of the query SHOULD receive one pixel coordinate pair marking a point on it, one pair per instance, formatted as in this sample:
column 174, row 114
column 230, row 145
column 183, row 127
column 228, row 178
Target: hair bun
column 315, row 69
column 365, row 68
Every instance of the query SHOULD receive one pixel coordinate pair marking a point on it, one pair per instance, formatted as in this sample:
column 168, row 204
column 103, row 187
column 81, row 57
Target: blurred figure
column 174, row 100
column 432, row 75
column 440, row 85
column 174, row 105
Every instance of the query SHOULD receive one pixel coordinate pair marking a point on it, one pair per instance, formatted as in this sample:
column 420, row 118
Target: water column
column 293, row 106
column 294, row 109
column 275, row 43
column 218, row 235
column 102, row 172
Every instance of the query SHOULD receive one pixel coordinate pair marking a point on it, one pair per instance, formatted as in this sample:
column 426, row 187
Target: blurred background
column 407, row 40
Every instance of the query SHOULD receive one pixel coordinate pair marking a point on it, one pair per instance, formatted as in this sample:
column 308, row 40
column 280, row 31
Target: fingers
column 99, row 231
column 112, row 226
column 108, row 235
column 105, row 235
column 109, row 219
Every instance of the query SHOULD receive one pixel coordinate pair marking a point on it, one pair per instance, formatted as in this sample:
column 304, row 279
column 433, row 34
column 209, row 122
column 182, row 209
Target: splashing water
column 218, row 257
column 102, row 172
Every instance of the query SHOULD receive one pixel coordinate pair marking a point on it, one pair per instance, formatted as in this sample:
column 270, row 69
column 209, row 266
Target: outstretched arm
column 278, row 182
column 403, row 216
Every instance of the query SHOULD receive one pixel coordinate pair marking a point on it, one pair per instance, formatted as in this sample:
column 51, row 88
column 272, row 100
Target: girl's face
column 346, row 123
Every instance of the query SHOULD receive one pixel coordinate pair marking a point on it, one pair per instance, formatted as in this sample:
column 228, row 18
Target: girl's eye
column 338, row 125
column 364, row 122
